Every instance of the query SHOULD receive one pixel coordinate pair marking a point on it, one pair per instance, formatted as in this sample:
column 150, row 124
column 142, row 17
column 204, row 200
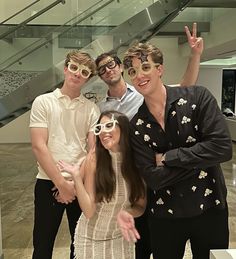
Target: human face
column 109, row 71
column 75, row 67
column 76, row 75
column 145, row 68
column 145, row 76
column 109, row 133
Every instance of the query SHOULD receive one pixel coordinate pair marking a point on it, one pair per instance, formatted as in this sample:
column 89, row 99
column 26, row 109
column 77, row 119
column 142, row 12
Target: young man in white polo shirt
column 61, row 125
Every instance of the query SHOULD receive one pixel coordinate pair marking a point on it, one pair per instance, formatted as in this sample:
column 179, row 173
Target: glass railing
column 39, row 37
column 37, row 67
column 13, row 30
column 11, row 13
column 48, row 50
column 34, row 55
column 40, row 29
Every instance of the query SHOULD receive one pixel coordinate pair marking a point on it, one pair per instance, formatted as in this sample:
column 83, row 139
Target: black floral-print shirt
column 195, row 141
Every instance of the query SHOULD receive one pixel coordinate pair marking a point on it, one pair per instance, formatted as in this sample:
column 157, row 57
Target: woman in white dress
column 107, row 184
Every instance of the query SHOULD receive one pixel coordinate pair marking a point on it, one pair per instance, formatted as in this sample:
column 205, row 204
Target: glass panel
column 38, row 33
column 50, row 48
column 12, row 8
column 228, row 92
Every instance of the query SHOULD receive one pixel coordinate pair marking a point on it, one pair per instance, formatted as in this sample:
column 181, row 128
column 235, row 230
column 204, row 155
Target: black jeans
column 143, row 245
column 47, row 219
column 206, row 231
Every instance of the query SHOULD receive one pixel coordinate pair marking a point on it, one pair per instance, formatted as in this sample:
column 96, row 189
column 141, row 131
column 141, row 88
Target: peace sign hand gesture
column 195, row 43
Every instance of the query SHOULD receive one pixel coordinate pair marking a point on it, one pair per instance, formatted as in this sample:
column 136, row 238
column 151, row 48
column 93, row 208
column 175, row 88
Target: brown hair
column 105, row 55
column 105, row 180
column 82, row 58
column 142, row 49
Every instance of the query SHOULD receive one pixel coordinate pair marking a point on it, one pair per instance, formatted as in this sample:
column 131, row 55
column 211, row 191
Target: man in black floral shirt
column 179, row 137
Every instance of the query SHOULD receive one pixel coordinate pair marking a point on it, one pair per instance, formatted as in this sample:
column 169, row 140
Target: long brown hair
column 105, row 180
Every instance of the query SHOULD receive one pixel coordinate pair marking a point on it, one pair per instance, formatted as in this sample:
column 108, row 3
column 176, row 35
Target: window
column 228, row 89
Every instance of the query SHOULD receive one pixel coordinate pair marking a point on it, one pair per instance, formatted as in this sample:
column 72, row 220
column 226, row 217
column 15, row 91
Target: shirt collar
column 172, row 93
column 57, row 92
column 129, row 89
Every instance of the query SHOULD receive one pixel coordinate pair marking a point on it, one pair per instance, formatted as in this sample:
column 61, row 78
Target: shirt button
column 170, row 144
column 181, row 195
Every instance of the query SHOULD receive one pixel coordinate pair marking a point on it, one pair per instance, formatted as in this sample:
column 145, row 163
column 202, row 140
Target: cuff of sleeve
column 171, row 157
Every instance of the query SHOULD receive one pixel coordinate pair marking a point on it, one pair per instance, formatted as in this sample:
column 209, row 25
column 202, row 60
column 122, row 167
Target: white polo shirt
column 68, row 123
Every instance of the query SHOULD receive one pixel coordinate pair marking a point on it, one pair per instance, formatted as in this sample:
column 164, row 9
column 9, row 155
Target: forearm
column 91, row 141
column 192, row 71
column 136, row 210
column 48, row 164
column 159, row 177
column 201, row 155
column 86, row 201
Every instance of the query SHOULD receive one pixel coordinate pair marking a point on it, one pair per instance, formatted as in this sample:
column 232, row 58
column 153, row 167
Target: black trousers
column 47, row 219
column 143, row 245
column 206, row 231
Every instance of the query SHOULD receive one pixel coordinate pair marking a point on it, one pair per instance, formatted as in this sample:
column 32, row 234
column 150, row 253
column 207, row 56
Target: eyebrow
column 102, row 63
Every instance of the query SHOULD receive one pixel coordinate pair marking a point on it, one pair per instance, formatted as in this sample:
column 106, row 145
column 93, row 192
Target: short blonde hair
column 142, row 49
column 82, row 58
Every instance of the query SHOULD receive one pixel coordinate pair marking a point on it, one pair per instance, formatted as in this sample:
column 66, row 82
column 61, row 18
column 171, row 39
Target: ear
column 160, row 70
column 121, row 67
column 65, row 69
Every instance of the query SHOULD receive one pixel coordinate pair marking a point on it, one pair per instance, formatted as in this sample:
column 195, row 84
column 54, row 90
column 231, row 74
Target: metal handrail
column 2, row 36
column 22, row 10
column 49, row 34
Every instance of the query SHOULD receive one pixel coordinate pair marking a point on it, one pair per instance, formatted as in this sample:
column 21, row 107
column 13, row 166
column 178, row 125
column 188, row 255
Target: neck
column 118, row 89
column 157, row 101
column 72, row 93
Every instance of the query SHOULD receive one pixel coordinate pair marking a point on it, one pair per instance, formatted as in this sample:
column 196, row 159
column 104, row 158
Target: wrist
column 163, row 159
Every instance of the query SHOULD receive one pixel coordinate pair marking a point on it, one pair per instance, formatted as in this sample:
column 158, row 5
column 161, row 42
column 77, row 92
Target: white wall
column 211, row 78
column 17, row 131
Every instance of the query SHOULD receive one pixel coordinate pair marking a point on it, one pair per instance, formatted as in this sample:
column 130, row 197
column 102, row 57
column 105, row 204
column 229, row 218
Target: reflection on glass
column 228, row 90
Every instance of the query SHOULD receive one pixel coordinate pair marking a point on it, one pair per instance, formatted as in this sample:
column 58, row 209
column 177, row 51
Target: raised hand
column 72, row 169
column 195, row 43
column 126, row 223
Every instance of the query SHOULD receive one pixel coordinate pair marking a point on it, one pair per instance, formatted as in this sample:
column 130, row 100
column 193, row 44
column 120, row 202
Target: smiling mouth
column 143, row 83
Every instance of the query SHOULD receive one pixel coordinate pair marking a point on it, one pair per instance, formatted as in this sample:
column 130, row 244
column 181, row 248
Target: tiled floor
column 17, row 177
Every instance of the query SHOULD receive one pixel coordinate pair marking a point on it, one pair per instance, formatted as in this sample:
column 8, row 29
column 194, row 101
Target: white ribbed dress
column 100, row 237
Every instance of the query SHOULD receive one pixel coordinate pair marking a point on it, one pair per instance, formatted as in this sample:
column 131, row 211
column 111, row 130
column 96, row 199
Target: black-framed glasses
column 145, row 67
column 105, row 127
column 110, row 64
column 74, row 68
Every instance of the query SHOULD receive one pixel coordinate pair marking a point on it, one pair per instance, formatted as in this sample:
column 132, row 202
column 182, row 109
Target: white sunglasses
column 105, row 127
column 145, row 67
column 74, row 68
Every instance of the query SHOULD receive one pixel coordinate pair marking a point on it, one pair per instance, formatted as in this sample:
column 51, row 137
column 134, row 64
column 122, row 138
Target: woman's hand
column 72, row 169
column 126, row 223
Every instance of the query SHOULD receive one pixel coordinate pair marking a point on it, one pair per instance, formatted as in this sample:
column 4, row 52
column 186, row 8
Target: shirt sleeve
column 94, row 115
column 156, row 177
column 38, row 114
column 215, row 145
